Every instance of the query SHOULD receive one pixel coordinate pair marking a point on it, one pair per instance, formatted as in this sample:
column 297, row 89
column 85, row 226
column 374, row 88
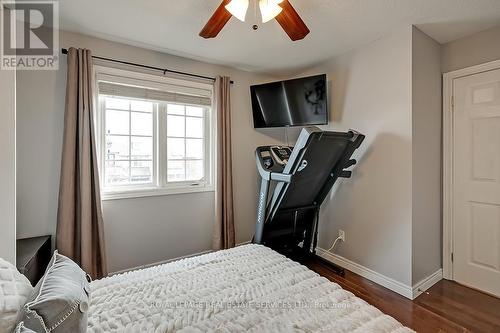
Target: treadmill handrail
column 281, row 177
column 292, row 165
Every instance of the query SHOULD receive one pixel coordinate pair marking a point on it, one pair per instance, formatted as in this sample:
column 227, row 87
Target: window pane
column 176, row 171
column 117, row 147
column 117, row 122
column 142, row 148
column 194, row 127
column 141, row 172
column 194, row 148
column 194, row 111
column 194, row 170
column 117, row 103
column 175, row 148
column 175, row 109
column 175, row 126
column 117, row 173
column 142, row 123
column 144, row 106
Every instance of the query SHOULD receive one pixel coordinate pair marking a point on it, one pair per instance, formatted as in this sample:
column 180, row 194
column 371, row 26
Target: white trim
column 424, row 284
column 486, row 67
column 447, row 177
column 368, row 273
column 448, row 136
column 155, row 192
column 169, row 260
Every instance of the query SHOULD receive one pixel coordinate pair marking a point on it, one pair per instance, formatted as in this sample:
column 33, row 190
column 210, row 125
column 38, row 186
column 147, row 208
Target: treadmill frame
column 268, row 209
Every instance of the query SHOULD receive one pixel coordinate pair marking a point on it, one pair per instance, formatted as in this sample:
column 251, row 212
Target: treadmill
column 299, row 179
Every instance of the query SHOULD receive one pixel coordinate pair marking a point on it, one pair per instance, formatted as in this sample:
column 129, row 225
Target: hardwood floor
column 467, row 307
column 446, row 307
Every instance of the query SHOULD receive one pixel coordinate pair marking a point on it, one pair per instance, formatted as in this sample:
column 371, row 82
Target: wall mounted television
column 297, row 102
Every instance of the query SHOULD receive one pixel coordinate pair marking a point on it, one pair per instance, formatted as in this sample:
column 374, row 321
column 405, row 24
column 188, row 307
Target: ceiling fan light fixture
column 281, row 10
column 238, row 8
column 269, row 9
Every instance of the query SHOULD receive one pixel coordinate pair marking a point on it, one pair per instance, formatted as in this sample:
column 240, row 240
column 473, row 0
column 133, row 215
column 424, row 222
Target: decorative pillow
column 20, row 328
column 60, row 300
column 14, row 290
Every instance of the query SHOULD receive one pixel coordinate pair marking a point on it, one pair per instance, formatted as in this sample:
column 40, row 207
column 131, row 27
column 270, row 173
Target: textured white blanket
column 248, row 288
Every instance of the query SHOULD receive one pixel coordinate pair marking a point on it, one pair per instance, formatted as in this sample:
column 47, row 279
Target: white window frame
column 160, row 186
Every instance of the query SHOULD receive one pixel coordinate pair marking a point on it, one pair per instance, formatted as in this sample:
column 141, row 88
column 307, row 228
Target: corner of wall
column 426, row 156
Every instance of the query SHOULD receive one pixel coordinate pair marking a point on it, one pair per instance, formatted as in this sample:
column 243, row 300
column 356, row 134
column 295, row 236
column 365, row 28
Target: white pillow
column 14, row 290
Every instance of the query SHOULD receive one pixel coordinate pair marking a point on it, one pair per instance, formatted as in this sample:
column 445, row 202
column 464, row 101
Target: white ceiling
column 336, row 26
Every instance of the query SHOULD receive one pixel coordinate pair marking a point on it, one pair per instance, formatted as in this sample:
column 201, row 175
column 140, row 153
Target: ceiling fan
column 281, row 10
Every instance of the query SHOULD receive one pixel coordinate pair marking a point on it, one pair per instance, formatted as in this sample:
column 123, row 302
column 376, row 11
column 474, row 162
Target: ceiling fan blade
column 217, row 21
column 291, row 22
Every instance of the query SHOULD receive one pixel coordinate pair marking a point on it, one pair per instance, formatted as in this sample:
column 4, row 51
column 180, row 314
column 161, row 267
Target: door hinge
column 452, row 257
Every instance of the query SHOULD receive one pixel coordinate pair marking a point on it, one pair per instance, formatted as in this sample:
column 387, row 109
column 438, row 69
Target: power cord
column 334, row 243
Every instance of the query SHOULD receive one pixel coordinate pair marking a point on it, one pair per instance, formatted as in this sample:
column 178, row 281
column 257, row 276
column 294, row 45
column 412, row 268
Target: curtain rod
column 164, row 70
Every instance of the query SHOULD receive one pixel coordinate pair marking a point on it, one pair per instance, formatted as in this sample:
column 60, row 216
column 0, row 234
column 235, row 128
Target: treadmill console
column 281, row 154
column 273, row 158
column 267, row 160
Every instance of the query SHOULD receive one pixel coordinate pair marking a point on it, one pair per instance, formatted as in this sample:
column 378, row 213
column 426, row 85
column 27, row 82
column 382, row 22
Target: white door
column 476, row 181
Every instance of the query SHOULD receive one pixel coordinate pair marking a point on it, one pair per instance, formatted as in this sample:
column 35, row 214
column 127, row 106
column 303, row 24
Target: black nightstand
column 33, row 256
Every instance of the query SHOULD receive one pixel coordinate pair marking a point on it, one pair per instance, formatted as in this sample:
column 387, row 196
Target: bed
column 248, row 288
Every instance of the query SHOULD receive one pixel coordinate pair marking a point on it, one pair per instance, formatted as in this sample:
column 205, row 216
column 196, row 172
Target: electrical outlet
column 342, row 235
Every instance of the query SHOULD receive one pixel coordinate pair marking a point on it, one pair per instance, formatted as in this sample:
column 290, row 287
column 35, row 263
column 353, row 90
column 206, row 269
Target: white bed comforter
column 248, row 288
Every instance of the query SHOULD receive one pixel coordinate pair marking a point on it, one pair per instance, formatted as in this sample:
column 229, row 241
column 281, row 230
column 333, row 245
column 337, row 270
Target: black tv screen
column 297, row 102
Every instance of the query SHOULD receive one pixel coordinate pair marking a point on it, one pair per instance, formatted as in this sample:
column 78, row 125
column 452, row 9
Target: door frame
column 448, row 137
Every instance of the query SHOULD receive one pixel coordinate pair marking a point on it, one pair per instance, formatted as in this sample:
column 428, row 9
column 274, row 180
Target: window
column 185, row 143
column 129, row 138
column 154, row 133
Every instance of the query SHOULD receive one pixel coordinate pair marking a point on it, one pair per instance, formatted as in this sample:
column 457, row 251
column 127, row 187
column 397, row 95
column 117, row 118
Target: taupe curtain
column 80, row 234
column 224, row 214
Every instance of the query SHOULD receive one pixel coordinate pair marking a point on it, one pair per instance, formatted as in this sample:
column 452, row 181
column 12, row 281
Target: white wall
column 8, row 165
column 143, row 230
column 371, row 92
column 473, row 50
column 427, row 156
column 40, row 118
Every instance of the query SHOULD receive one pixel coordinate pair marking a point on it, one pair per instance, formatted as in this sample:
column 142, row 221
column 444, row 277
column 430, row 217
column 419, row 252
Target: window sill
column 153, row 192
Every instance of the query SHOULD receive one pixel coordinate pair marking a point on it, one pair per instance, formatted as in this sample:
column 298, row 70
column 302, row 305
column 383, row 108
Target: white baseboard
column 426, row 283
column 365, row 272
column 387, row 282
column 168, row 260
